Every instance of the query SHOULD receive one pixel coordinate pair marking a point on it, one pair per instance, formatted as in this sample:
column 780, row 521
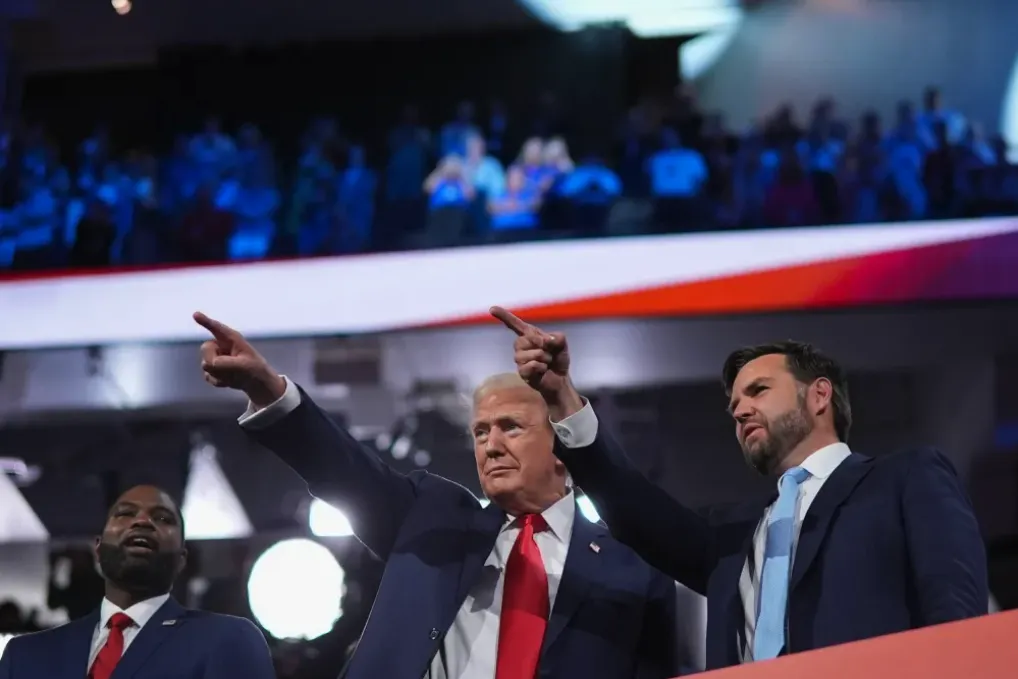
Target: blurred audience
column 220, row 195
column 515, row 206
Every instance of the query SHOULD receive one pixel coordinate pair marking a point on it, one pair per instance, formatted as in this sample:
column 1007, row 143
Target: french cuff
column 255, row 418
column 579, row 429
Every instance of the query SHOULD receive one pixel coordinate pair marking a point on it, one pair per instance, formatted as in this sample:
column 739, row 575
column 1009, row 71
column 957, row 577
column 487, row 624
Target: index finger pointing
column 220, row 331
column 511, row 320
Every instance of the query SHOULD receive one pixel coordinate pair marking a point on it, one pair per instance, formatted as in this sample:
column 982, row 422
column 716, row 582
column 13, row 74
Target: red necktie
column 111, row 651
column 524, row 605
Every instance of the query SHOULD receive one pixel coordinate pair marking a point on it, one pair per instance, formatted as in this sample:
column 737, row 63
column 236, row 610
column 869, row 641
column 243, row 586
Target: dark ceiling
column 87, row 33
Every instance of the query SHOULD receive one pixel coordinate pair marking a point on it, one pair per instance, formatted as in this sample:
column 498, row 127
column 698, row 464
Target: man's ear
column 821, row 395
column 182, row 563
column 95, row 553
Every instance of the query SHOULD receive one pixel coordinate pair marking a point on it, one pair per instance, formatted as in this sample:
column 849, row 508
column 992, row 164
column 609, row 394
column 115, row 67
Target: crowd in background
column 225, row 194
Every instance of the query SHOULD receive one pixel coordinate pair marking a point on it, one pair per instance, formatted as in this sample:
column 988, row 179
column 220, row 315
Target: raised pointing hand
column 228, row 360
column 542, row 359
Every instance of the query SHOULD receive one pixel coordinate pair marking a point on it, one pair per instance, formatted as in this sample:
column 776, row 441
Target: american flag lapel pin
column 594, row 547
column 167, row 623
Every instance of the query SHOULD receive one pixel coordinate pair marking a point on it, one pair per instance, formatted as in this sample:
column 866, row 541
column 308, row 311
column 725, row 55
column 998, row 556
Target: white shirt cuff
column 579, row 429
column 253, row 418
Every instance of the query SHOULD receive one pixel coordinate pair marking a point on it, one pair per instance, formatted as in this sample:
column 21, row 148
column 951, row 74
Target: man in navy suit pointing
column 521, row 589
column 849, row 547
column 139, row 631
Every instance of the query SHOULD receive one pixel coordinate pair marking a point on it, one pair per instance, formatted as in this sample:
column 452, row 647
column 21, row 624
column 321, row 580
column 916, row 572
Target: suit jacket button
column 434, row 633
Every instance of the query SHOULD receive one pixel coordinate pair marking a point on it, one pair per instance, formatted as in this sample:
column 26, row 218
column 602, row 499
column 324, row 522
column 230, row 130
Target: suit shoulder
column 222, row 622
column 903, row 461
column 16, row 643
column 34, row 639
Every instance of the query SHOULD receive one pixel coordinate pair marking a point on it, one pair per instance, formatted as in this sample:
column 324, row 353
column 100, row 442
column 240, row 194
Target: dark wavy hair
column 807, row 364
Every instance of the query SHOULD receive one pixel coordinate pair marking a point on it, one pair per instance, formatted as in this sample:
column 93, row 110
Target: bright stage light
column 326, row 521
column 296, row 589
column 1009, row 115
column 211, row 508
column 587, row 509
column 645, row 18
column 4, row 640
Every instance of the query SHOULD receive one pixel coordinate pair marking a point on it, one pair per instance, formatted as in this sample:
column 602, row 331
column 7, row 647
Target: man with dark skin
column 141, row 550
column 140, row 628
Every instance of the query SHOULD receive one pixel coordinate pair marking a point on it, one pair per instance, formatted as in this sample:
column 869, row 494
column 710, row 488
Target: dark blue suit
column 888, row 544
column 176, row 643
column 613, row 616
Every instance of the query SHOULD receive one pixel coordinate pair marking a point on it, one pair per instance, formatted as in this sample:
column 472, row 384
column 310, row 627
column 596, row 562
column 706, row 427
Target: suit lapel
column 166, row 621
column 729, row 577
column 73, row 660
column 581, row 569
column 482, row 530
column 817, row 521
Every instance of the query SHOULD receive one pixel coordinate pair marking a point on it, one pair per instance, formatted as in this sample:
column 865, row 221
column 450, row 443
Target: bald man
column 139, row 629
column 518, row 589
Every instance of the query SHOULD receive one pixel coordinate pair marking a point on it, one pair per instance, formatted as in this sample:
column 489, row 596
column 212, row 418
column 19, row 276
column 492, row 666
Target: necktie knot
column 535, row 522
column 791, row 479
column 120, row 621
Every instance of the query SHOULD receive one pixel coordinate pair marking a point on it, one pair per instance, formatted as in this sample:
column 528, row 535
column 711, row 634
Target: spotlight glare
column 587, row 509
column 296, row 589
column 326, row 521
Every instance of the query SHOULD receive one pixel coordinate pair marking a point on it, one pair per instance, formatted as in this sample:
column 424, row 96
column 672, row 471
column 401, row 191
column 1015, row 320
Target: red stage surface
column 984, row 648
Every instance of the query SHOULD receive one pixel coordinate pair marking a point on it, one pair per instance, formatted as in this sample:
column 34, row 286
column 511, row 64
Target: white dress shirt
column 140, row 613
column 580, row 429
column 470, row 647
column 820, row 466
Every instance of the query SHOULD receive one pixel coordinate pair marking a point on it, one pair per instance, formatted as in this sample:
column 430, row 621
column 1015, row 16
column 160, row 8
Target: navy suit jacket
column 613, row 616
column 176, row 643
column 889, row 544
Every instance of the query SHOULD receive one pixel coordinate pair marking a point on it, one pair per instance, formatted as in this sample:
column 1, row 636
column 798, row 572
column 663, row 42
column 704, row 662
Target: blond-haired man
column 520, row 589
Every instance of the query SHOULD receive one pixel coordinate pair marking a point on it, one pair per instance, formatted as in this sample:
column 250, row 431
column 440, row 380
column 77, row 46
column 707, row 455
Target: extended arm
column 946, row 550
column 668, row 536
column 672, row 538
column 336, row 467
column 285, row 420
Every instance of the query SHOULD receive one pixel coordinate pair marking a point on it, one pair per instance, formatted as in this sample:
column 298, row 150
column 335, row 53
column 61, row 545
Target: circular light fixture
column 296, row 589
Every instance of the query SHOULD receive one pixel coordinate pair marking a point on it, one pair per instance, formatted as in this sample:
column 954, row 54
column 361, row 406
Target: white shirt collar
column 140, row 612
column 559, row 517
column 823, row 462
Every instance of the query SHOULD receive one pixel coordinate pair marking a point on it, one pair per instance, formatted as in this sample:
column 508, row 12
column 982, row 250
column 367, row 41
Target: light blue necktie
column 769, row 637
